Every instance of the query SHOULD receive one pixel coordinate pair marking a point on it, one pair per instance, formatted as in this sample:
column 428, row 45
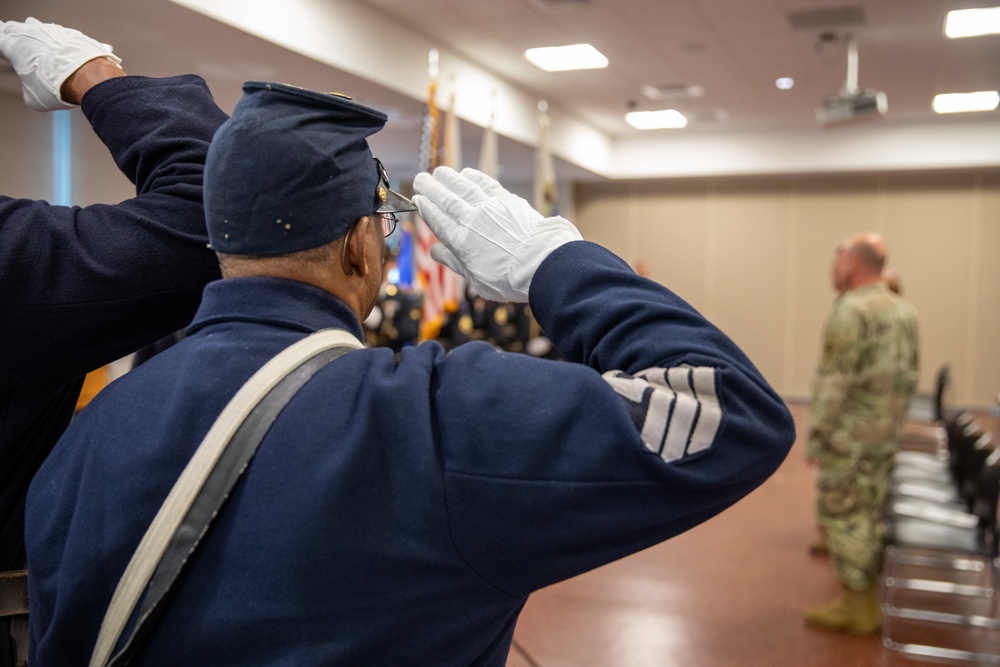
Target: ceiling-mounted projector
column 852, row 103
column 852, row 106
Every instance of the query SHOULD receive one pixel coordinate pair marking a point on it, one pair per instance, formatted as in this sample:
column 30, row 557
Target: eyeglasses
column 389, row 221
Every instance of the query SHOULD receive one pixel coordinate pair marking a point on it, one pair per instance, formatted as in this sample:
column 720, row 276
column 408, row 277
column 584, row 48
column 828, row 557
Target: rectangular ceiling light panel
column 972, row 22
column 563, row 58
column 665, row 119
column 984, row 100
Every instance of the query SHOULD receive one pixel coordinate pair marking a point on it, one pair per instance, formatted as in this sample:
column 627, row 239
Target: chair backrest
column 961, row 431
column 978, row 454
column 987, row 499
column 953, row 428
column 943, row 380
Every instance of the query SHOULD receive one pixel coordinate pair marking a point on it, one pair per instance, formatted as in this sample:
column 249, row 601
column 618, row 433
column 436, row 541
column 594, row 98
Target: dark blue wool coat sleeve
column 82, row 287
column 665, row 424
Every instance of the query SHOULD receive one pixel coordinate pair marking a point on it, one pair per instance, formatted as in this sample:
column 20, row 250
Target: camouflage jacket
column 866, row 375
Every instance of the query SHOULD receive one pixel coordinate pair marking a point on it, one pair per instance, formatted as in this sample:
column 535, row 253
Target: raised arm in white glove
column 492, row 237
column 44, row 55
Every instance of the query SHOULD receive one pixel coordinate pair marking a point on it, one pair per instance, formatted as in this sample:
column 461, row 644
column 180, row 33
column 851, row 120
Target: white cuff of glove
column 44, row 55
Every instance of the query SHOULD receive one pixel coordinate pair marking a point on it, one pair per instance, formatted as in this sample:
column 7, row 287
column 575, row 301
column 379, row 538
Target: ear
column 355, row 260
column 853, row 262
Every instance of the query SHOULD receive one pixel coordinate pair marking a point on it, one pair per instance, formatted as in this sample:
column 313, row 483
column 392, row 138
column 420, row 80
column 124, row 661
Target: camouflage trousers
column 850, row 495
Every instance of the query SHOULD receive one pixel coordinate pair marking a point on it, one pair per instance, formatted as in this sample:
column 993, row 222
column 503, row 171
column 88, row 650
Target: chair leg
column 981, row 626
column 936, row 652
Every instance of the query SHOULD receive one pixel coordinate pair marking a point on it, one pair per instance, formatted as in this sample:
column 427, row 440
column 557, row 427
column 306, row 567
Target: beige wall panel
column 755, row 257
column 986, row 339
column 928, row 228
column 747, row 273
column 602, row 216
column 824, row 215
column 671, row 237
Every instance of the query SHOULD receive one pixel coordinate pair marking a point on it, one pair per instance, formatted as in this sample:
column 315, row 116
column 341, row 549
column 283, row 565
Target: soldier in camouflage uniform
column 866, row 376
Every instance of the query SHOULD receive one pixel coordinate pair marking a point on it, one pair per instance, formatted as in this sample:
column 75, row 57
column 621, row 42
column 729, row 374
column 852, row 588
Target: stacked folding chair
column 940, row 576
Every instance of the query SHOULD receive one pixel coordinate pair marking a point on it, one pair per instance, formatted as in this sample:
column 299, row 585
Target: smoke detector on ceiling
column 673, row 91
column 703, row 116
column 558, row 6
column 827, row 17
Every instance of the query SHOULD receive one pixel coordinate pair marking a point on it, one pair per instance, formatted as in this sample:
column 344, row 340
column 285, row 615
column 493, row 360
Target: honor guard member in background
column 456, row 327
column 82, row 287
column 398, row 323
column 861, row 393
column 505, row 325
column 395, row 513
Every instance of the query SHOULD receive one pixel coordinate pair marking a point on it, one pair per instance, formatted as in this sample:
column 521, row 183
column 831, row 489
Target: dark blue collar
column 277, row 301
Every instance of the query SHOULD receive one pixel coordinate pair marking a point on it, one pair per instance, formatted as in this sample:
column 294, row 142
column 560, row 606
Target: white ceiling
column 733, row 49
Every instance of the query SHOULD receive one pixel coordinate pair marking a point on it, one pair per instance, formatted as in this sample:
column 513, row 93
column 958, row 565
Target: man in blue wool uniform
column 82, row 287
column 396, row 512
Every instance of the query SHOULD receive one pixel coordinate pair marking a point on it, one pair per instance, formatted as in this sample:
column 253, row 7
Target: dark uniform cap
column 291, row 170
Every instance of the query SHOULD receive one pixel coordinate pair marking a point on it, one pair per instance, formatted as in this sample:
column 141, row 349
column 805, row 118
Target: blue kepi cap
column 291, row 170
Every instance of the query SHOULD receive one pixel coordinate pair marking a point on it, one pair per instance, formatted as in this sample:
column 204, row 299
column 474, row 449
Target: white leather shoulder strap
column 140, row 568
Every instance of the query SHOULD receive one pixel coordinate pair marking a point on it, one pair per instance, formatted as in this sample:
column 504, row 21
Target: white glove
column 490, row 236
column 44, row 55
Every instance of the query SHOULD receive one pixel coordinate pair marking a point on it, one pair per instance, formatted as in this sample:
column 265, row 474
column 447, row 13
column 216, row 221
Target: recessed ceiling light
column 972, row 22
column 656, row 120
column 562, row 58
column 985, row 100
column 785, row 83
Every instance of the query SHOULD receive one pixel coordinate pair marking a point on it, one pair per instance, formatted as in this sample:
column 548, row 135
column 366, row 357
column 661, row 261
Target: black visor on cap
column 388, row 200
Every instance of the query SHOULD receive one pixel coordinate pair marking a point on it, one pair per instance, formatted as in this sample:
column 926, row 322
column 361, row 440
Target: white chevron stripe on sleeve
column 678, row 407
column 711, row 412
column 634, row 390
column 685, row 413
column 661, row 402
column 657, row 419
column 627, row 386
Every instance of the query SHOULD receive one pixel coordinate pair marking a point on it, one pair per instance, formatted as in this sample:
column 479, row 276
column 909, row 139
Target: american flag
column 430, row 272
column 488, row 150
column 452, row 284
column 431, row 275
column 429, row 130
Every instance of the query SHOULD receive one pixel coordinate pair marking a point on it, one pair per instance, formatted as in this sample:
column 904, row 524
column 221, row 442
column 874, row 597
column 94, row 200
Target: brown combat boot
column 854, row 613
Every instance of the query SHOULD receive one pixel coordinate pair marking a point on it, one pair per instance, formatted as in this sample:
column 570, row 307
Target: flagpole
column 432, row 310
column 545, row 177
column 488, row 150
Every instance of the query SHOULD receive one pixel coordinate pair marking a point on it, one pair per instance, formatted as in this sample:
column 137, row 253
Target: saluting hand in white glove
column 44, row 55
column 492, row 237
